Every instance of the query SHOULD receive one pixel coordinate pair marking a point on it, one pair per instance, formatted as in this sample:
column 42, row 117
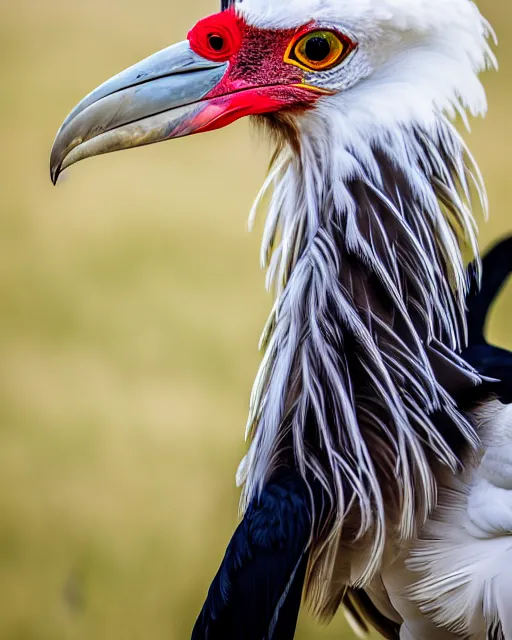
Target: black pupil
column 317, row 48
column 216, row 42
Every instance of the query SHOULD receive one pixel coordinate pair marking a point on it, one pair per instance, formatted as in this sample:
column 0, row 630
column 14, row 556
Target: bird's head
column 371, row 64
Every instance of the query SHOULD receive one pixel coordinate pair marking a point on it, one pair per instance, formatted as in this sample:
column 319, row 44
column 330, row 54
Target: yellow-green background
column 130, row 308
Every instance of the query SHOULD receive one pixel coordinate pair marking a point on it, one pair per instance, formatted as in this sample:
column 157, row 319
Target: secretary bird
column 379, row 475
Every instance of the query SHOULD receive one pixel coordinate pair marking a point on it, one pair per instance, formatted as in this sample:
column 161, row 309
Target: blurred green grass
column 130, row 309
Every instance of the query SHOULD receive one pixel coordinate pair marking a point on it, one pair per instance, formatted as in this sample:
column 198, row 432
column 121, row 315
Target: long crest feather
column 227, row 4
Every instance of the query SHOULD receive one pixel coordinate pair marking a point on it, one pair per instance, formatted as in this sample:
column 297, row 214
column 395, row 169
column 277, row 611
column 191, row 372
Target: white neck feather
column 371, row 209
column 363, row 248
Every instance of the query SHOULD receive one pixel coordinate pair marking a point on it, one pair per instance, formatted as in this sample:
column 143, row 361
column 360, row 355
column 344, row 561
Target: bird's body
column 380, row 467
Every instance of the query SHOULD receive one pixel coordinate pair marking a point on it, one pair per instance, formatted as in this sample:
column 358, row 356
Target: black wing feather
column 257, row 592
column 489, row 360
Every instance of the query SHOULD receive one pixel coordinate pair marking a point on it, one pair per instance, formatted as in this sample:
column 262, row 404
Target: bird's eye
column 318, row 50
column 216, row 41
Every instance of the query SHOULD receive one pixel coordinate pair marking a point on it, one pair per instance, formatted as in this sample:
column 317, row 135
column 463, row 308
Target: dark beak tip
column 55, row 172
column 55, row 164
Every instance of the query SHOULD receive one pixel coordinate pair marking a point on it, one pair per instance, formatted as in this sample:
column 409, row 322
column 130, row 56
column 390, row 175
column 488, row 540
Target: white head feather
column 415, row 58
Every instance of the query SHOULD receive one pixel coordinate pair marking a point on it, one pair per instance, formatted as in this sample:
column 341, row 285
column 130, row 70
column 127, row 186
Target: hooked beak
column 157, row 99
column 171, row 94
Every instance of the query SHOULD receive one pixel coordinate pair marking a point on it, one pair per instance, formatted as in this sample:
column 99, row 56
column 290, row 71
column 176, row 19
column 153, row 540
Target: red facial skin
column 258, row 80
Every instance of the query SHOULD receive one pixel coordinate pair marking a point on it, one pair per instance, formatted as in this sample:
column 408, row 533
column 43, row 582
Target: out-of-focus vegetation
column 130, row 308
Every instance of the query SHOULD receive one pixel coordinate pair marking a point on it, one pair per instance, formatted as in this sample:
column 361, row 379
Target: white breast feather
column 465, row 555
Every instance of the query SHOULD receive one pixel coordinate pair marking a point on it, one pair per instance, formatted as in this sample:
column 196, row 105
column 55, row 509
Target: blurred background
column 131, row 304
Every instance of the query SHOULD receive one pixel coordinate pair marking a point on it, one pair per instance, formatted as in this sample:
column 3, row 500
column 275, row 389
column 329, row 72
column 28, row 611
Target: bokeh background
column 131, row 303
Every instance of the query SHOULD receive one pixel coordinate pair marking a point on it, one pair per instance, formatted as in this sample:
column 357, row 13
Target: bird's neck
column 360, row 364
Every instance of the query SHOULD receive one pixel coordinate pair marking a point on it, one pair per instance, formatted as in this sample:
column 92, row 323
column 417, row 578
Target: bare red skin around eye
column 227, row 26
column 257, row 80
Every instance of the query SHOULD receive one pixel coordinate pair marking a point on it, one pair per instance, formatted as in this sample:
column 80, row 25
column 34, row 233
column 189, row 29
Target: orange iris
column 317, row 51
